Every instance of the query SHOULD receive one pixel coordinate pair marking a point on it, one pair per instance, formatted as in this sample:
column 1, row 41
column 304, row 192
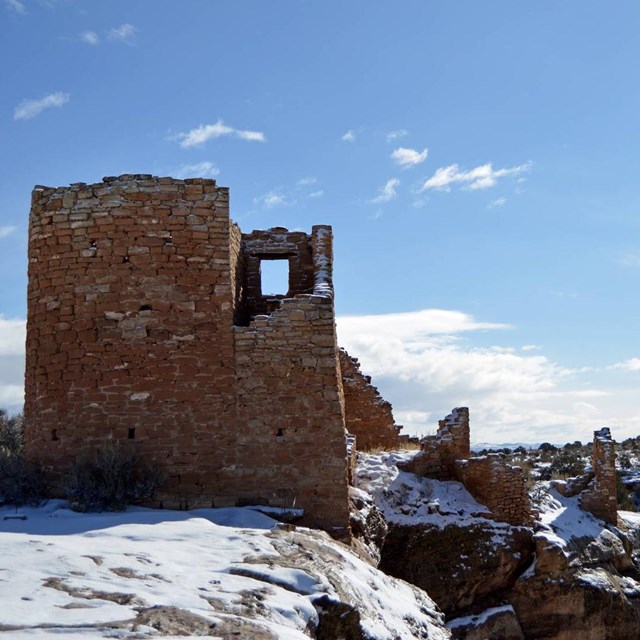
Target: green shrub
column 117, row 475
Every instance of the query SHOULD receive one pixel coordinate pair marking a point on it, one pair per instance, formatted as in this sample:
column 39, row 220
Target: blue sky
column 478, row 162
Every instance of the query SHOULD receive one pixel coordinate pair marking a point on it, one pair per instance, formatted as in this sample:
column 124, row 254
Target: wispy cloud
column 498, row 202
column 203, row 133
column 204, row 169
column 396, row 135
column 307, row 181
column 350, row 136
column 629, row 259
column 5, row 231
column 482, row 177
column 28, row 109
column 90, row 37
column 632, row 364
column 124, row 33
column 273, row 199
column 425, row 362
column 531, row 347
column 387, row 192
column 317, row 194
column 15, row 5
column 406, row 158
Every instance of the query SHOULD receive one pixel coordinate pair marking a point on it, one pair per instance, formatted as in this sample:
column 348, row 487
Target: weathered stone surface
column 590, row 605
column 147, row 322
column 457, row 565
column 368, row 416
column 497, row 623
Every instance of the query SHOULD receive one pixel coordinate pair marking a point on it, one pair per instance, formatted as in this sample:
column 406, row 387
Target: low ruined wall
column 600, row 496
column 439, row 452
column 497, row 485
column 369, row 417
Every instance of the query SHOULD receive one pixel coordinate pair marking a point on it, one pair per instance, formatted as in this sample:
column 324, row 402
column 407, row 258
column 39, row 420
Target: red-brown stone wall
column 600, row 496
column 369, row 417
column 498, row 485
column 130, row 319
column 134, row 286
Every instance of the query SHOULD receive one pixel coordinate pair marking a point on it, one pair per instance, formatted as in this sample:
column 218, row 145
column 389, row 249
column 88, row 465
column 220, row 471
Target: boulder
column 458, row 565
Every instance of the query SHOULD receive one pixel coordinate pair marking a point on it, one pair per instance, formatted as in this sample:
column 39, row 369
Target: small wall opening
column 274, row 277
column 132, row 433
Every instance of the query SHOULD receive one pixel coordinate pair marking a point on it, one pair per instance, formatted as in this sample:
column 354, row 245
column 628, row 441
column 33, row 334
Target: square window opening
column 274, row 277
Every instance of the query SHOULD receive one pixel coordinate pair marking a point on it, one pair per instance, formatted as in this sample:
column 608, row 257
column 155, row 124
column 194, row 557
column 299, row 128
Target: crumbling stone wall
column 289, row 387
column 600, row 495
column 135, row 284
column 439, row 452
column 447, row 456
column 368, row 415
column 498, row 485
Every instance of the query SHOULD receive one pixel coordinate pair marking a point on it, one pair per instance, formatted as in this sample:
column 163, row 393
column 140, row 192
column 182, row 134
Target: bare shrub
column 20, row 481
column 115, row 476
column 11, row 433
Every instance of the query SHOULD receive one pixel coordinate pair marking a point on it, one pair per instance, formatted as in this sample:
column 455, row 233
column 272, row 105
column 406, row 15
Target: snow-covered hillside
column 220, row 573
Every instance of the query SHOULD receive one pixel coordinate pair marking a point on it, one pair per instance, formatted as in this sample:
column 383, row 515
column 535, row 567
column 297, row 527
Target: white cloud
column 273, row 199
column 531, row 347
column 498, row 202
column 124, row 33
column 5, row 231
column 203, row 133
column 409, row 157
column 12, row 336
column 90, row 37
column 350, row 136
column 305, row 182
column 482, row 177
column 387, row 192
column 28, row 109
column 15, row 5
column 395, row 135
column 204, row 169
column 425, row 363
column 632, row 364
column 317, row 194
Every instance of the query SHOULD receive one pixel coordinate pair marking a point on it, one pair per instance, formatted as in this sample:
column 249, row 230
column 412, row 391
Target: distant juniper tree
column 20, row 482
column 11, row 433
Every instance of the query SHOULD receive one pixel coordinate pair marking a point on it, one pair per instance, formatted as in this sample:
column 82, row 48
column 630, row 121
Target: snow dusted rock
column 576, row 589
column 146, row 573
column 438, row 538
column 497, row 623
column 457, row 565
column 368, row 526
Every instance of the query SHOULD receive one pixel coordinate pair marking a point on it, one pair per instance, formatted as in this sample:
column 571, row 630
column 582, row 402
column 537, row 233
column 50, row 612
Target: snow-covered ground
column 69, row 575
column 407, row 499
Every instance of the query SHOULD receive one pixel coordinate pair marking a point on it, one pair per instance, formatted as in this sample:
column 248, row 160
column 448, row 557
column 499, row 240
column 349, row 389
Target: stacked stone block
column 439, row 452
column 369, row 417
column 135, row 284
column 600, row 495
column 499, row 486
column 489, row 479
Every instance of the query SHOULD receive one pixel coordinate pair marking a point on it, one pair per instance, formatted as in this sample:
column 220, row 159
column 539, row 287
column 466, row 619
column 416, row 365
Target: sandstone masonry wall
column 447, row 456
column 134, row 287
column 369, row 417
column 498, row 485
column 600, row 496
column 439, row 452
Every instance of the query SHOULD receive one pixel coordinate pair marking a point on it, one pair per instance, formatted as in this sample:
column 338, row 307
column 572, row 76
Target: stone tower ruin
column 147, row 322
